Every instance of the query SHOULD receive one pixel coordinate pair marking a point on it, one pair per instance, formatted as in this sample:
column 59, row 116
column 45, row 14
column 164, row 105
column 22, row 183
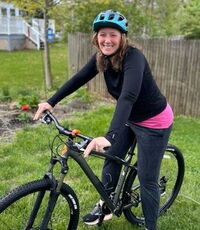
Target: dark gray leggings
column 151, row 144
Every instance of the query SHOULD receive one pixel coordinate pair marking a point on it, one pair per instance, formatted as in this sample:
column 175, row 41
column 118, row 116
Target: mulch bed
column 10, row 121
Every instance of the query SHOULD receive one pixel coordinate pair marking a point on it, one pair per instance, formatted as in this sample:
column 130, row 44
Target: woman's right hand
column 41, row 108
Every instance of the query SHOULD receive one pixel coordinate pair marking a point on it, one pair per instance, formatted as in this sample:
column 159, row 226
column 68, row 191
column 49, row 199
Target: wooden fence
column 175, row 65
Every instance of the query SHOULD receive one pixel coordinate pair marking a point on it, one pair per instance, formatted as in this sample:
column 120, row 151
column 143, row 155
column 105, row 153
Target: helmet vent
column 121, row 18
column 111, row 16
column 102, row 17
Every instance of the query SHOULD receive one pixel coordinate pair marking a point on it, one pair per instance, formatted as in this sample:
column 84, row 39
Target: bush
column 31, row 100
column 24, row 117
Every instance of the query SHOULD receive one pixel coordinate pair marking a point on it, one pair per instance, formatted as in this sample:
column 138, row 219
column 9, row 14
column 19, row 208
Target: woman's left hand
column 98, row 144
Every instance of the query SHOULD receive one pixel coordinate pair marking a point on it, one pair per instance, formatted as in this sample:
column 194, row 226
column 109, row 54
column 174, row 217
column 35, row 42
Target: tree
column 161, row 16
column 151, row 17
column 190, row 25
column 31, row 7
column 79, row 15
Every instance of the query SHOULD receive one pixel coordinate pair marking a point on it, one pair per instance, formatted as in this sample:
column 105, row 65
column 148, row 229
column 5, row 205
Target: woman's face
column 108, row 40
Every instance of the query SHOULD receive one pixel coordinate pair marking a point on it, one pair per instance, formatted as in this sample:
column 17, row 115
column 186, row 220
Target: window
column 12, row 12
column 4, row 12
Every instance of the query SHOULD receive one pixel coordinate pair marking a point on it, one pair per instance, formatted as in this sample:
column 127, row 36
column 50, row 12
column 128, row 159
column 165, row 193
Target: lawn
column 24, row 69
column 26, row 157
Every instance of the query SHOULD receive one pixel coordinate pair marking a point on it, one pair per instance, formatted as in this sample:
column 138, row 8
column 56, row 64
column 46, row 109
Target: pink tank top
column 161, row 121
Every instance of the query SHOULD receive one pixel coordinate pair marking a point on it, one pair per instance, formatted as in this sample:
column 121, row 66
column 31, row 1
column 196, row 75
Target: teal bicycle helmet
column 110, row 18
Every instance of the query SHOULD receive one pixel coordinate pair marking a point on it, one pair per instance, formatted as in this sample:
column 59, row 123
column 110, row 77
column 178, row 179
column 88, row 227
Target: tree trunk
column 47, row 62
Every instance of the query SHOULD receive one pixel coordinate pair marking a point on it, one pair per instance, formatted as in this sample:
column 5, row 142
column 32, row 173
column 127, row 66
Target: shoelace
column 96, row 210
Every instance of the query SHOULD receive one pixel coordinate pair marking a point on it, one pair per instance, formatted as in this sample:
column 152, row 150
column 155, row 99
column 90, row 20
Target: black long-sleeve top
column 138, row 97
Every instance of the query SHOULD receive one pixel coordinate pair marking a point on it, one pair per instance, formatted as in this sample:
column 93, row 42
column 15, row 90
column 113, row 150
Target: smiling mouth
column 105, row 46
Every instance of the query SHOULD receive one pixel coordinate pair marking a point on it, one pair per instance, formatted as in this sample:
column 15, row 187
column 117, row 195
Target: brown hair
column 116, row 59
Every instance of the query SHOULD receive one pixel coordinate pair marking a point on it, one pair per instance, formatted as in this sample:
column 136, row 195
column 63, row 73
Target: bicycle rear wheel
column 170, row 181
column 16, row 206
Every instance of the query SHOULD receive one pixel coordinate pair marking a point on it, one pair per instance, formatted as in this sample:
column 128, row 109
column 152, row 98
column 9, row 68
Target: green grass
column 26, row 159
column 24, row 69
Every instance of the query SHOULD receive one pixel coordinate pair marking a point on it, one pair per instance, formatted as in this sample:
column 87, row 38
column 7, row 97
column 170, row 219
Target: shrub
column 24, row 117
column 30, row 100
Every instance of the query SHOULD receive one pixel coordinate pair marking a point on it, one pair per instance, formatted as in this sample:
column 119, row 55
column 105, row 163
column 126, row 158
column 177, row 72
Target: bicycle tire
column 172, row 159
column 15, row 207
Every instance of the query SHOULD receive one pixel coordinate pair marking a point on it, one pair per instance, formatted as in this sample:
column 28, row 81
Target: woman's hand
column 98, row 144
column 41, row 108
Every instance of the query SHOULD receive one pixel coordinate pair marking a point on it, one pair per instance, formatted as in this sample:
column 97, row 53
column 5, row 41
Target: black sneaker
column 93, row 217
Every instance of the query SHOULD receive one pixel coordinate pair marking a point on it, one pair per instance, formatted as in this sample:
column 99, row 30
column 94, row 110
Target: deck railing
column 32, row 34
column 17, row 26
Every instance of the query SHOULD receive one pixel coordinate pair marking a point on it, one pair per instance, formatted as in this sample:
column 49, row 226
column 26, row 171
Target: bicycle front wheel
column 170, row 181
column 16, row 207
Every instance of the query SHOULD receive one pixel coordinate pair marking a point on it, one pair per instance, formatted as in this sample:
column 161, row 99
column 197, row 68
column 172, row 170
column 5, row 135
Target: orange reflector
column 64, row 150
column 75, row 132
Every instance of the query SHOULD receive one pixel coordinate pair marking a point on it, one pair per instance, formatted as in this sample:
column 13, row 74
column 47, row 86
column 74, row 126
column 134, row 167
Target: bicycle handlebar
column 49, row 117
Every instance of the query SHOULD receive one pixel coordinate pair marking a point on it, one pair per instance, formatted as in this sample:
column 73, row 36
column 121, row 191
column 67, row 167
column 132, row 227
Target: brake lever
column 46, row 119
column 81, row 145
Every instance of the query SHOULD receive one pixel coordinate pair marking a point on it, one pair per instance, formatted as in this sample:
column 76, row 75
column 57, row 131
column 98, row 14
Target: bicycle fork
column 53, row 196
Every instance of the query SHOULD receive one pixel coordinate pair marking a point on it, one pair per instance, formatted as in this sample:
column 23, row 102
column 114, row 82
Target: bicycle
column 39, row 204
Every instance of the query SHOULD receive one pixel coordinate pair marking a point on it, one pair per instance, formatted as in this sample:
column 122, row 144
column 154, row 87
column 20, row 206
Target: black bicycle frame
column 77, row 156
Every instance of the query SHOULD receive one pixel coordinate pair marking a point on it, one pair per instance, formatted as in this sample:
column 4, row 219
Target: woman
column 141, row 111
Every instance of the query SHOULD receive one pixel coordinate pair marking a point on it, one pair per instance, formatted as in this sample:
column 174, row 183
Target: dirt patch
column 10, row 119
